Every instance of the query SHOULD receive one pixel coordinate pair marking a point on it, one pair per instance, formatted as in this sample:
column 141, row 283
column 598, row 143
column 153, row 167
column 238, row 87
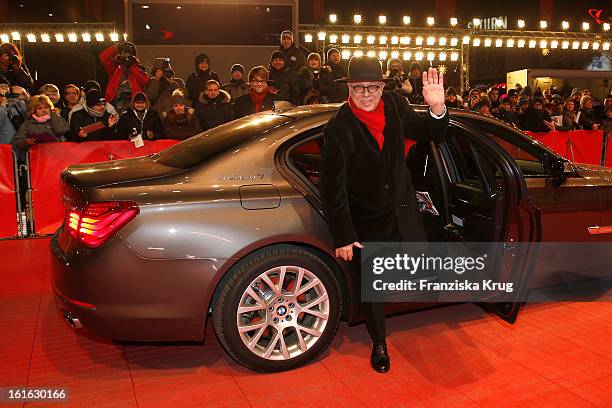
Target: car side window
column 306, row 158
column 529, row 164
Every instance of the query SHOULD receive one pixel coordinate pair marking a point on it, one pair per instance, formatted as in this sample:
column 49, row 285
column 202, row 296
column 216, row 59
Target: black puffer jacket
column 150, row 127
column 214, row 112
column 196, row 81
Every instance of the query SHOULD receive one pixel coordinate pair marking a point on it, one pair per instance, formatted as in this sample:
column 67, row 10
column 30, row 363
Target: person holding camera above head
column 196, row 82
column 313, row 80
column 126, row 76
column 260, row 98
column 366, row 191
column 162, row 85
column 180, row 121
column 282, row 78
column 337, row 92
column 236, row 87
column 213, row 107
column 140, row 121
column 89, row 85
column 44, row 124
column 396, row 79
column 93, row 123
column 12, row 69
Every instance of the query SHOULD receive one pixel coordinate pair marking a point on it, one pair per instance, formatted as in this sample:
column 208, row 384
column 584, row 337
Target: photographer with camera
column 12, row 69
column 396, row 79
column 7, row 130
column 162, row 84
column 313, row 80
column 126, row 76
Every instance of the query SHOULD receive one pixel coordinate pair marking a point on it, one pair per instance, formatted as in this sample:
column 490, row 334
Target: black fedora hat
column 363, row 69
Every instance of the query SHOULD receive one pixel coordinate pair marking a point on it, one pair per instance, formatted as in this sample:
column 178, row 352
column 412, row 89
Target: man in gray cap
column 366, row 193
column 294, row 58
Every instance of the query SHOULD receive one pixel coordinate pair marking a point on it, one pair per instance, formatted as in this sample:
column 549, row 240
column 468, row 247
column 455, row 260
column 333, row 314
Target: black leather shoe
column 380, row 358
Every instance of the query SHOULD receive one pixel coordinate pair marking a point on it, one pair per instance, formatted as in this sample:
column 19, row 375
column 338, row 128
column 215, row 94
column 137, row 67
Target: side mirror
column 560, row 169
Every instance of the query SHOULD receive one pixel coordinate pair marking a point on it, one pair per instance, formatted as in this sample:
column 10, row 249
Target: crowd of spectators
column 140, row 105
column 537, row 111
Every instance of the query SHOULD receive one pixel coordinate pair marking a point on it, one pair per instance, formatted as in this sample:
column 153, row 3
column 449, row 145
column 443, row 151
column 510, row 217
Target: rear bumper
column 116, row 294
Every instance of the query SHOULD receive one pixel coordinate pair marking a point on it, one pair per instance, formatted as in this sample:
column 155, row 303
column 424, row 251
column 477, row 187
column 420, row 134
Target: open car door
column 488, row 202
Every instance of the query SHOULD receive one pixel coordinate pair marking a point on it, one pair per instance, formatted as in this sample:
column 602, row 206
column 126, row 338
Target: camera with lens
column 316, row 83
column 13, row 59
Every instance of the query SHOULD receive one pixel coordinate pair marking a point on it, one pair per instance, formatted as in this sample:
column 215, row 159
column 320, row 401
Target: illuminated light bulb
column 346, row 54
column 454, row 56
column 521, row 23
column 405, row 40
column 585, row 45
column 357, row 39
column 419, row 41
column 510, row 43
column 586, row 26
column 333, row 18
column 442, row 56
column 431, row 40
column 333, row 38
column 371, row 39
column 371, row 54
column 466, row 39
column 307, row 38
column 532, row 43
column 431, row 21
column 565, row 45
column 382, row 19
column 407, row 56
column 521, row 43
column 595, row 45
column 442, row 41
column 321, row 36
column 395, row 40
column 100, row 37
column 431, row 56
column 124, row 36
column 606, row 26
column 16, row 36
column 543, row 25
column 487, row 42
column 346, row 39
column 418, row 56
column 454, row 42
column 554, row 44
column 72, row 37
column 476, row 42
column 543, row 44
column 575, row 45
column 565, row 25
column 358, row 53
column 59, row 38
column 499, row 23
column 4, row 38
column 406, row 20
column 382, row 55
column 453, row 21
column 45, row 38
column 499, row 42
column 605, row 46
column 86, row 37
column 31, row 38
column 476, row 22
column 394, row 54
column 382, row 39
column 357, row 18
column 114, row 36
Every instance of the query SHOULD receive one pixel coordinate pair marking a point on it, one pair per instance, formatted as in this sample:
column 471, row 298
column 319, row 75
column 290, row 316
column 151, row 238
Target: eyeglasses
column 260, row 82
column 361, row 89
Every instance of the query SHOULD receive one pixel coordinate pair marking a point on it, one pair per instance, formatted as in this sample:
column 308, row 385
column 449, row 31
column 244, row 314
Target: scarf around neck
column 95, row 113
column 259, row 98
column 375, row 120
column 41, row 119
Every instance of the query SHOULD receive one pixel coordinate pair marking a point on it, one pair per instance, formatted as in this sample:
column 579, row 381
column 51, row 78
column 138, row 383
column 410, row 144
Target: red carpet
column 557, row 355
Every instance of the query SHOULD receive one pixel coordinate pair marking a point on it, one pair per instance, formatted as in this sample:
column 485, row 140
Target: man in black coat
column 94, row 122
column 366, row 191
column 213, row 107
column 294, row 58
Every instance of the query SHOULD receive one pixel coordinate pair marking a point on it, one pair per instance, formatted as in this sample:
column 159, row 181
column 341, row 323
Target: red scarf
column 259, row 98
column 375, row 120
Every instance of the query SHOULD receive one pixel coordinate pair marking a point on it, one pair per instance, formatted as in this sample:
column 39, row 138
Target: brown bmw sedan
column 228, row 224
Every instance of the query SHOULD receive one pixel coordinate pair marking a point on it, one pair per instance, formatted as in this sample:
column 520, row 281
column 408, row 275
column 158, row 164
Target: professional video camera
column 126, row 54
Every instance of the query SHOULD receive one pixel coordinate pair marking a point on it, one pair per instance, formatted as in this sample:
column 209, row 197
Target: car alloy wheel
column 283, row 312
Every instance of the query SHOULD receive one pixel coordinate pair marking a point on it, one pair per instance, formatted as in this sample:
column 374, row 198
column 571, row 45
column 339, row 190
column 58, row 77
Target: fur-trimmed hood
column 223, row 97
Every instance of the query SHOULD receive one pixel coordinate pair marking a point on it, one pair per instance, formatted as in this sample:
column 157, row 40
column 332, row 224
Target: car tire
column 287, row 331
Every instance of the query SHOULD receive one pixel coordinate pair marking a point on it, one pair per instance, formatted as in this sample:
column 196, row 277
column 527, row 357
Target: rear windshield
column 196, row 149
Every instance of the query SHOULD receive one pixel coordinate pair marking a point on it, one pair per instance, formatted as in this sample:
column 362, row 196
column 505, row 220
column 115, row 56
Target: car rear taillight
column 97, row 222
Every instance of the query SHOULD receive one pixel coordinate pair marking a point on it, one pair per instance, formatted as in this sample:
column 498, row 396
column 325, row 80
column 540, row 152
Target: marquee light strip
column 60, row 37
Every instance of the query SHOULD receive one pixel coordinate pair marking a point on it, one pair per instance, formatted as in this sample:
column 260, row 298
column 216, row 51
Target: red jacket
column 138, row 79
